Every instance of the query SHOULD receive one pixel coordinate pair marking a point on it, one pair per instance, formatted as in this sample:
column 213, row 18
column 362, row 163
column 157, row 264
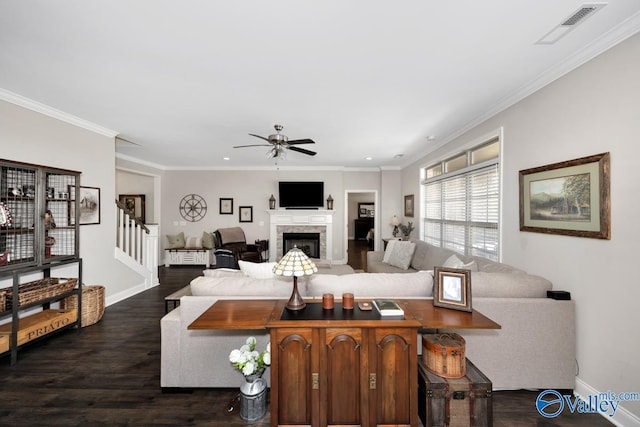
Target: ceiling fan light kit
column 279, row 144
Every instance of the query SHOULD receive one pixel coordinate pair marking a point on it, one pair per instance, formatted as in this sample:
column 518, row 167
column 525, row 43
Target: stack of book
column 388, row 308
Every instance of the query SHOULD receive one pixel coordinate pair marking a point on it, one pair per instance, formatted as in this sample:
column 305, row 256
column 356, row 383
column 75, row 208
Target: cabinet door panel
column 295, row 385
column 344, row 373
column 394, row 368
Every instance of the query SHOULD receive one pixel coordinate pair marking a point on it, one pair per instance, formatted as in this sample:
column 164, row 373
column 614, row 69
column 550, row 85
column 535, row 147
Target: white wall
column 32, row 137
column 594, row 109
column 251, row 188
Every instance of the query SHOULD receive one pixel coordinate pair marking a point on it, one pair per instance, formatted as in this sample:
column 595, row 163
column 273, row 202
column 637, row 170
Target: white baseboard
column 622, row 418
column 121, row 296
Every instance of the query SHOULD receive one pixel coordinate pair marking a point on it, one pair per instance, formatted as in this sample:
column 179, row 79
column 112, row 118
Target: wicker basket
column 92, row 304
column 444, row 354
column 35, row 291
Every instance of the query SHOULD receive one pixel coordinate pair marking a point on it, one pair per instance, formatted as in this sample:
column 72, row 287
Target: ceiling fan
column 279, row 143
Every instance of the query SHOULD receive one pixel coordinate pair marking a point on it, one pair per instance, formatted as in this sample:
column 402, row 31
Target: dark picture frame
column 89, row 205
column 452, row 288
column 408, row 205
column 245, row 213
column 226, row 206
column 366, row 210
column 570, row 198
column 134, row 204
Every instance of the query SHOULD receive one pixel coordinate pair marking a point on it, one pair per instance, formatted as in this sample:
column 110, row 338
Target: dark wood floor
column 109, row 375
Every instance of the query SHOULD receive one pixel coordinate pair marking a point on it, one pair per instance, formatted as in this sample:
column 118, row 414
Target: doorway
column 361, row 222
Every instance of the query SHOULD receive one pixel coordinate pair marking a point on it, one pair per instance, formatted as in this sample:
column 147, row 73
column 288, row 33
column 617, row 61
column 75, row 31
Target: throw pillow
column 255, row 270
column 454, row 262
column 193, row 242
column 402, row 254
column 207, row 240
column 176, row 241
column 388, row 250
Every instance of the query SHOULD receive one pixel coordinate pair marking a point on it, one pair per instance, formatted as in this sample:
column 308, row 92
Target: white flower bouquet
column 248, row 360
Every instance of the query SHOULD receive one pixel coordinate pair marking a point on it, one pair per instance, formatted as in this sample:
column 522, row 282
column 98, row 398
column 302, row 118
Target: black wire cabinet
column 39, row 240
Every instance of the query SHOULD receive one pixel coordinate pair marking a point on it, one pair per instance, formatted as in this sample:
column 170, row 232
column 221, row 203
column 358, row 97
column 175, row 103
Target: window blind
column 461, row 212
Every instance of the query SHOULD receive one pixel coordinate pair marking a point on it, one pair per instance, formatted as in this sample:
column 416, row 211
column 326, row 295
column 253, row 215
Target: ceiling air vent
column 577, row 17
column 582, row 13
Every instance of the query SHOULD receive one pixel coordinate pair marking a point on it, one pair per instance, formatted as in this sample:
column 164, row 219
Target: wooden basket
column 444, row 354
column 37, row 290
column 92, row 304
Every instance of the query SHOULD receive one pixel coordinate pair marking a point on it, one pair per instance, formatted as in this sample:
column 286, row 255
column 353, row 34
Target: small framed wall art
column 408, row 205
column 89, row 205
column 134, row 204
column 246, row 213
column 570, row 198
column 226, row 206
column 452, row 288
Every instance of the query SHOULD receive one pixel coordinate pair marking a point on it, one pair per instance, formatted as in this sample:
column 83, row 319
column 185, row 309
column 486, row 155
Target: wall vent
column 571, row 22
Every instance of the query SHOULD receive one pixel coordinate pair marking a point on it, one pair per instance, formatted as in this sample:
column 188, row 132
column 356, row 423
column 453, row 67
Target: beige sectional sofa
column 535, row 349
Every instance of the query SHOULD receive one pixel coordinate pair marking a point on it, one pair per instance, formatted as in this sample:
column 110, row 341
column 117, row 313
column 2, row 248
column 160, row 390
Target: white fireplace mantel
column 299, row 218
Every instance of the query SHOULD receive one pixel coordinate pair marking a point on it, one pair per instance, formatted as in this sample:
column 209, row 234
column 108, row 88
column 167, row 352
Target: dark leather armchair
column 231, row 246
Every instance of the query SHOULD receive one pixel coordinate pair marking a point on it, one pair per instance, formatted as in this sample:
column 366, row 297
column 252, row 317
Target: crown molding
column 38, row 107
column 616, row 35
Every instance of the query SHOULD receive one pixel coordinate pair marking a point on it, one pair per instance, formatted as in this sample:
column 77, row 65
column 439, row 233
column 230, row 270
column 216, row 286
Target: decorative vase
column 253, row 393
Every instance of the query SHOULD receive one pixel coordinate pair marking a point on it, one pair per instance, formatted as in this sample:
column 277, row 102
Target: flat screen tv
column 301, row 194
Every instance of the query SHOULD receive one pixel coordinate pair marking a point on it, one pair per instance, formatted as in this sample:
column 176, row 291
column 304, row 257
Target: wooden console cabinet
column 326, row 376
column 337, row 368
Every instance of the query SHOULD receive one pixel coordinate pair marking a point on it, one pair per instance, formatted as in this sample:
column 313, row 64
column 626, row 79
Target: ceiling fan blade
column 301, row 141
column 303, row 151
column 261, row 137
column 252, row 145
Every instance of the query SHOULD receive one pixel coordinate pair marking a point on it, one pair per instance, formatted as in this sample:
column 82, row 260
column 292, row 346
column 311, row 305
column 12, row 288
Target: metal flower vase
column 253, row 397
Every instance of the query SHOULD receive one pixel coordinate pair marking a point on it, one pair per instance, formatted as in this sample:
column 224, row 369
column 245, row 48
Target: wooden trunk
column 4, row 343
column 40, row 324
column 444, row 354
column 454, row 402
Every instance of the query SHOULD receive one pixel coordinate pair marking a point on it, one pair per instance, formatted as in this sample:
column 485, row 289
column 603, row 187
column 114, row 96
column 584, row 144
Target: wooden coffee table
column 331, row 367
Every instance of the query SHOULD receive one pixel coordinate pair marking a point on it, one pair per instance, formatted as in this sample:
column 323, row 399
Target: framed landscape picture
column 89, row 205
column 570, row 198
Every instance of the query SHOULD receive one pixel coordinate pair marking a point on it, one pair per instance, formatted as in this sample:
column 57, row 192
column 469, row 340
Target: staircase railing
column 138, row 242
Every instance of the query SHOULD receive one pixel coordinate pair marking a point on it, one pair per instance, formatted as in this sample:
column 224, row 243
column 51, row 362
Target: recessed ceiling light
column 398, row 156
column 226, row 158
column 430, row 137
column 368, row 158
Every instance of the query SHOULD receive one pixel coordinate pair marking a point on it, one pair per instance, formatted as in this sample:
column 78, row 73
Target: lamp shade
column 395, row 221
column 295, row 263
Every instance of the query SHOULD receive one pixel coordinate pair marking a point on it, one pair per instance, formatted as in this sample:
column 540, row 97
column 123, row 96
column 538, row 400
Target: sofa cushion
column 401, row 253
column 508, row 285
column 222, row 272
column 176, row 241
column 261, row 270
column 365, row 285
column 242, row 287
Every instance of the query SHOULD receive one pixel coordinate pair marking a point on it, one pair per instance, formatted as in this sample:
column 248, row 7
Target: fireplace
column 309, row 243
column 300, row 221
